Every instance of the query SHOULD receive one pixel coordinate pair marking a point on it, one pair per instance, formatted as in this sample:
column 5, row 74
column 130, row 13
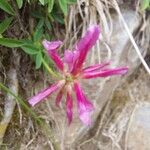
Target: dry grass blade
column 131, row 38
column 10, row 103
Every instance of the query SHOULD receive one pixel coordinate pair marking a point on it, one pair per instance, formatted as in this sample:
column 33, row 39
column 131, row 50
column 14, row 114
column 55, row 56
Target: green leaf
column 48, row 24
column 46, row 1
column 48, row 36
column 63, row 6
column 38, row 60
column 58, row 18
column 38, row 34
column 37, row 14
column 40, row 24
column 39, row 31
column 145, row 4
column 5, row 24
column 11, row 42
column 42, row 2
column 30, row 49
column 50, row 5
column 4, row 5
column 19, row 3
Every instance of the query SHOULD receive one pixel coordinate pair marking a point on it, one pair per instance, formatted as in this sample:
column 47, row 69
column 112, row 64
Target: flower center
column 68, row 78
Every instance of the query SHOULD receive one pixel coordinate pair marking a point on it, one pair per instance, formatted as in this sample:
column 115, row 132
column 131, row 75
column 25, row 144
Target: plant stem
column 48, row 68
column 19, row 100
column 39, row 121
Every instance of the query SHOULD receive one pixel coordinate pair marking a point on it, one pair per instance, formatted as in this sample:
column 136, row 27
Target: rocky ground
column 121, row 120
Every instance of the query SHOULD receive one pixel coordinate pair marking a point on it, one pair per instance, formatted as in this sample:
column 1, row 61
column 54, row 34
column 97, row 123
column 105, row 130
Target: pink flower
column 72, row 71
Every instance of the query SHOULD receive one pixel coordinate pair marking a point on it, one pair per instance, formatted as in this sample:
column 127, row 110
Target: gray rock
column 139, row 132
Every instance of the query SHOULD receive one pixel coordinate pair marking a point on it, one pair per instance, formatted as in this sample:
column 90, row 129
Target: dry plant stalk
column 10, row 103
column 131, row 38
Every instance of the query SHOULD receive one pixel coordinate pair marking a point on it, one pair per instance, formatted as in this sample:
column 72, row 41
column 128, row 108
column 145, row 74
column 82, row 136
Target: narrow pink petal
column 51, row 45
column 51, row 48
column 59, row 97
column 85, row 117
column 85, row 107
column 45, row 93
column 96, row 67
column 84, row 45
column 70, row 57
column 57, row 60
column 105, row 73
column 69, row 106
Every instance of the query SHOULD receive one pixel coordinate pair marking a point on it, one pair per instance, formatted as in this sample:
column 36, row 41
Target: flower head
column 73, row 73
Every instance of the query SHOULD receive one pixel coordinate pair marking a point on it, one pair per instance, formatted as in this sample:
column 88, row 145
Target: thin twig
column 131, row 38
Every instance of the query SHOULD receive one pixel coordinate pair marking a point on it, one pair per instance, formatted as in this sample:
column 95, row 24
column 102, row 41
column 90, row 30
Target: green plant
column 4, row 5
column 5, row 24
column 49, row 11
column 145, row 4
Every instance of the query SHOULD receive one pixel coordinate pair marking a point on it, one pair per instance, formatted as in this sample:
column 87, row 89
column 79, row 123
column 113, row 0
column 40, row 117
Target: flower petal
column 69, row 106
column 105, row 73
column 45, row 93
column 51, row 48
column 51, row 45
column 59, row 97
column 85, row 107
column 84, row 45
column 96, row 67
column 70, row 57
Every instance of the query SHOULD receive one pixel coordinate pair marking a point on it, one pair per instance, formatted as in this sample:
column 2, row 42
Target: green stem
column 18, row 99
column 47, row 131
column 48, row 68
